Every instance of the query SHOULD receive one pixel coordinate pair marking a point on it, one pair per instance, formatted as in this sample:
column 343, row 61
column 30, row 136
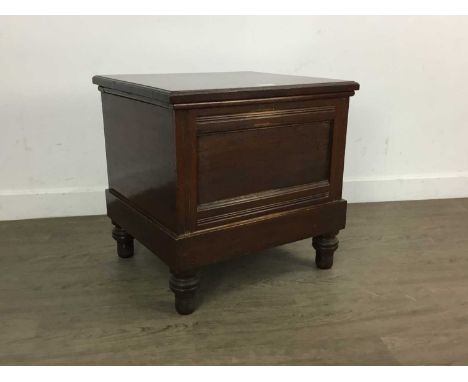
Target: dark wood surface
column 201, row 182
column 196, row 87
column 396, row 295
column 249, row 161
column 141, row 159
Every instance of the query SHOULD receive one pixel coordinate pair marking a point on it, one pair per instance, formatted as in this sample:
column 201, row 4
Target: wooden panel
column 213, row 245
column 247, row 161
column 264, row 118
column 338, row 151
column 182, row 88
column 140, row 149
column 273, row 201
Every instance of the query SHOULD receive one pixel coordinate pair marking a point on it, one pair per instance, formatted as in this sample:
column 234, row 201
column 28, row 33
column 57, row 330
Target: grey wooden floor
column 398, row 294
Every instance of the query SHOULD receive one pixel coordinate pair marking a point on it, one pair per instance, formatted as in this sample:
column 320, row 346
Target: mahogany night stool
column 206, row 166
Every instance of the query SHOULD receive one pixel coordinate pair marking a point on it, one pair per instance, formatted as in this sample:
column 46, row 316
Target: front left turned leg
column 124, row 242
column 325, row 247
column 184, row 286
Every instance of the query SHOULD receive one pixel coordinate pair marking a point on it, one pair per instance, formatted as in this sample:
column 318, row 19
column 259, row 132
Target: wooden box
column 203, row 167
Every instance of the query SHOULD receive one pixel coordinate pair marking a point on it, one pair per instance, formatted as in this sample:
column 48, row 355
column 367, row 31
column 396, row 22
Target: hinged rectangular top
column 176, row 88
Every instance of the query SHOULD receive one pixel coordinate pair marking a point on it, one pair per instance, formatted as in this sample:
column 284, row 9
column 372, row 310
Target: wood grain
column 207, row 166
column 141, row 158
column 180, row 88
column 244, row 162
column 398, row 294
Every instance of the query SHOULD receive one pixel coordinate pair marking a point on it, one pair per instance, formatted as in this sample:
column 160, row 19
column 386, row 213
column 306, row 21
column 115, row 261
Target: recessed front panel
column 259, row 161
column 247, row 161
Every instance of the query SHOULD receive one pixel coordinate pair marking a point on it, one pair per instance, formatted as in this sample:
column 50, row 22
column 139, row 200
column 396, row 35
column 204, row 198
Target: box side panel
column 140, row 150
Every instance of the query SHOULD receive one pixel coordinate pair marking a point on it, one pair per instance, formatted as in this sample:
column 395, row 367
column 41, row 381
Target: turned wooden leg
column 325, row 246
column 184, row 287
column 124, row 242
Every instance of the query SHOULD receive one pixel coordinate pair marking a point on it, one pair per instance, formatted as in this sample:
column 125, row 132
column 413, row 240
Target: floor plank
column 397, row 294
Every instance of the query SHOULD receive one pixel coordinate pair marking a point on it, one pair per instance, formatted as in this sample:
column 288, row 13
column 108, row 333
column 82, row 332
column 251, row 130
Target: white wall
column 407, row 134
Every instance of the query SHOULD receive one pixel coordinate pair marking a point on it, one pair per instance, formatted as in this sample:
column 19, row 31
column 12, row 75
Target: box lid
column 176, row 88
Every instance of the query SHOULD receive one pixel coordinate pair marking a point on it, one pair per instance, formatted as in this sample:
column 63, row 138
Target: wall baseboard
column 415, row 187
column 31, row 204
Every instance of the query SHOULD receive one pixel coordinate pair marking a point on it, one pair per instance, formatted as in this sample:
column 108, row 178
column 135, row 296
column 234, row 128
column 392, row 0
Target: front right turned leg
column 325, row 247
